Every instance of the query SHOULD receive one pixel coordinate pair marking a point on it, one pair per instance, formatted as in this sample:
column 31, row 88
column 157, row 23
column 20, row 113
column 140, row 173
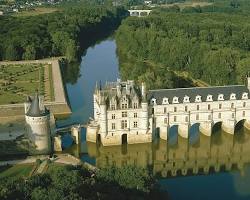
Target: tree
column 11, row 52
column 71, row 50
column 30, row 53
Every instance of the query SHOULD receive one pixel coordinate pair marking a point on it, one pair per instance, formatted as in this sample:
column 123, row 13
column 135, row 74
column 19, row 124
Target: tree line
column 212, row 46
column 55, row 34
column 77, row 183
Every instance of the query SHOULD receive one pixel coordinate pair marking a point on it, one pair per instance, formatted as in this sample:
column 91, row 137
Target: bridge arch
column 216, row 126
column 239, row 124
column 194, row 133
column 173, row 135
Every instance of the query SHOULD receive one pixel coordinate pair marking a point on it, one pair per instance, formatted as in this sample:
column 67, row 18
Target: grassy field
column 19, row 80
column 20, row 170
column 35, row 11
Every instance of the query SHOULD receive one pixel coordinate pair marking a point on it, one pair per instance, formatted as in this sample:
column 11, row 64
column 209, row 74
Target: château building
column 38, row 124
column 127, row 113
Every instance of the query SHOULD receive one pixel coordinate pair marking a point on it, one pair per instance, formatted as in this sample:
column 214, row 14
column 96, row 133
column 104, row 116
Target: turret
column 38, row 124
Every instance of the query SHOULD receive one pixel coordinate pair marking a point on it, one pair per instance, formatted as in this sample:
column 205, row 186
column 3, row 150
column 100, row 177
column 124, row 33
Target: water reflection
column 221, row 152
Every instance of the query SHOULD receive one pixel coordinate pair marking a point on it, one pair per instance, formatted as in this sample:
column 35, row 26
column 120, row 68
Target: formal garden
column 17, row 81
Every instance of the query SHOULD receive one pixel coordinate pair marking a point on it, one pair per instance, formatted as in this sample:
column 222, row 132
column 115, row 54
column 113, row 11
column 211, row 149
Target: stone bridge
column 184, row 108
column 139, row 13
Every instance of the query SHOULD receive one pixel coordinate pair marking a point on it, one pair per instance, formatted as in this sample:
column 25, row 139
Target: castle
column 127, row 113
column 38, row 123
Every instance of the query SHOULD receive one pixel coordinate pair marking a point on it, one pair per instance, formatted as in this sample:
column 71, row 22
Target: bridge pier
column 76, row 134
column 206, row 128
column 247, row 124
column 183, row 130
column 228, row 126
column 164, row 132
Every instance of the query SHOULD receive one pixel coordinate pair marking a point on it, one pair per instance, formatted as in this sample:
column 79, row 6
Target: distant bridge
column 139, row 13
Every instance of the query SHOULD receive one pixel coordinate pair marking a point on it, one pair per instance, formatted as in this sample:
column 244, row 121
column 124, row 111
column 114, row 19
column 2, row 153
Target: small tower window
column 208, row 106
column 219, row 115
column 175, row 109
column 175, row 118
column 243, row 113
column 232, row 105
column 135, row 115
column 244, row 104
column 186, row 108
column 113, row 116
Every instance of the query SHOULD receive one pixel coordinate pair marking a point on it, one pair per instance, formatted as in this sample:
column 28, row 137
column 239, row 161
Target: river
column 198, row 168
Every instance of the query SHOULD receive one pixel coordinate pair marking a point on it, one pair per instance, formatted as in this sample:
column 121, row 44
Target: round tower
column 38, row 126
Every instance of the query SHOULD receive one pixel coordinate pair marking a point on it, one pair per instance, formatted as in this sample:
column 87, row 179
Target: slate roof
column 193, row 92
column 34, row 109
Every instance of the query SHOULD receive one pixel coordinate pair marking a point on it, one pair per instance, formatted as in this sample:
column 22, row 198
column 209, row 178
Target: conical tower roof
column 34, row 110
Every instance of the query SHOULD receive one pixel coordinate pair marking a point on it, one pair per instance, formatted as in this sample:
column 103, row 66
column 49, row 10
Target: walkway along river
column 198, row 168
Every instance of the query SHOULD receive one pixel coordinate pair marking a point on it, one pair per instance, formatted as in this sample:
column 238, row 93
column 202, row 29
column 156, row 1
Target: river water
column 198, row 168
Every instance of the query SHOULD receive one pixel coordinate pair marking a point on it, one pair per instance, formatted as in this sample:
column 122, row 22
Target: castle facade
column 128, row 113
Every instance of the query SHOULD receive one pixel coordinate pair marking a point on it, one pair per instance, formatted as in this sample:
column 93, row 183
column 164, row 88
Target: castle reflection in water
column 221, row 152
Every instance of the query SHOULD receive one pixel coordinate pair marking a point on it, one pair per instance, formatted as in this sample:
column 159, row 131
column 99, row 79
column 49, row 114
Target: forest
column 77, row 183
column 211, row 46
column 61, row 33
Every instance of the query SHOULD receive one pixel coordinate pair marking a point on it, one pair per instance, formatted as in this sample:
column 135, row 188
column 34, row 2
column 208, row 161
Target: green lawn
column 20, row 170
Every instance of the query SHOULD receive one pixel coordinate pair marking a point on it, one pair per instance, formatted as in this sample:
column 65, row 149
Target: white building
column 124, row 112
column 38, row 124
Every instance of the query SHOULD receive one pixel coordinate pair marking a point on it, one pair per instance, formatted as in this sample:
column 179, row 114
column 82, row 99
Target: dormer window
column 233, row 96
column 220, row 97
column 186, row 99
column 153, row 101
column 245, row 95
column 165, row 101
column 135, row 105
column 175, row 100
column 198, row 98
column 209, row 97
column 112, row 107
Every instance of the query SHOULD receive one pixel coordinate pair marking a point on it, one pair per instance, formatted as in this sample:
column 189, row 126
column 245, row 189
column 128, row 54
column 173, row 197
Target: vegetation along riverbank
column 63, row 32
